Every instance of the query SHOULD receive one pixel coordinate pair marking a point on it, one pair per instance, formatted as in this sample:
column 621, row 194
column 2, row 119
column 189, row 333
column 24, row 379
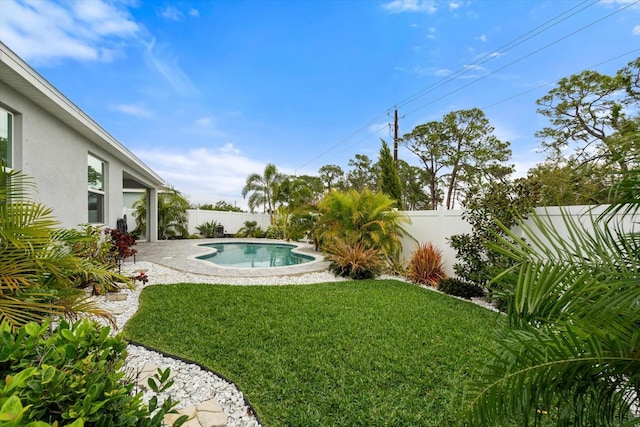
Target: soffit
column 23, row 79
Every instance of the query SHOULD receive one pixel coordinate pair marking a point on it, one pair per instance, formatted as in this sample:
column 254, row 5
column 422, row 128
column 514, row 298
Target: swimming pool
column 254, row 255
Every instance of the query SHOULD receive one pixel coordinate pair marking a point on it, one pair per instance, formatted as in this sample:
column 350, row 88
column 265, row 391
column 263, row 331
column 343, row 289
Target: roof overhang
column 18, row 75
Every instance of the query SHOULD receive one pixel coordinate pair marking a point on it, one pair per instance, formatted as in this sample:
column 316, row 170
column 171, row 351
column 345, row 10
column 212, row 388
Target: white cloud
column 636, row 30
column 194, row 12
column 454, row 5
column 168, row 67
column 399, row 6
column 482, row 38
column 133, row 110
column 88, row 30
column 203, row 121
column 171, row 13
column 205, row 175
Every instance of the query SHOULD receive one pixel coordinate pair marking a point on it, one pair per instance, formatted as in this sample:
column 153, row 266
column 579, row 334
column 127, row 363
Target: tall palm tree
column 362, row 217
column 37, row 263
column 572, row 352
column 263, row 188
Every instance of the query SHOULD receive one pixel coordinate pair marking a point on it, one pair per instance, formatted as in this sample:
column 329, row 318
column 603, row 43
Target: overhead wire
column 469, row 67
column 528, row 55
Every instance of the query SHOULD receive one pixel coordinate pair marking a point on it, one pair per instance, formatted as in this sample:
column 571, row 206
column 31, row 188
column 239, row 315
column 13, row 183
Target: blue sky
column 208, row 92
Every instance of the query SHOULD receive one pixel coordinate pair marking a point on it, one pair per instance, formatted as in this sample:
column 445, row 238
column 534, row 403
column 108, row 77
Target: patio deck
column 182, row 255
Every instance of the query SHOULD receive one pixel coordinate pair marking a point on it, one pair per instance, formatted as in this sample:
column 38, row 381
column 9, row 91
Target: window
column 95, row 171
column 6, row 125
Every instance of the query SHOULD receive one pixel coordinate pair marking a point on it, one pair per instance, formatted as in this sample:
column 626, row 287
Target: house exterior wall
column 51, row 141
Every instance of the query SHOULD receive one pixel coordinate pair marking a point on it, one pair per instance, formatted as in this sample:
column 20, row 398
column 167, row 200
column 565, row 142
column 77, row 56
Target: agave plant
column 37, row 264
column 572, row 353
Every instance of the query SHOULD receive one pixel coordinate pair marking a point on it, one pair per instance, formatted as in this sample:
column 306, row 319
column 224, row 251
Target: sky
column 208, row 92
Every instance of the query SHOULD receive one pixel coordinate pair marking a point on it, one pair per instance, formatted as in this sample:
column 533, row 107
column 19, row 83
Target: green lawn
column 368, row 353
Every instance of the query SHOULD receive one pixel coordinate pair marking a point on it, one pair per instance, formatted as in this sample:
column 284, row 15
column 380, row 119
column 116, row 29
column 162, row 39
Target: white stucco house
column 80, row 170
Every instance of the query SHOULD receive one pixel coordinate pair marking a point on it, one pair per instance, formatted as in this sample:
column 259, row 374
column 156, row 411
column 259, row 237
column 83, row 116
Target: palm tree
column 263, row 188
column 362, row 217
column 37, row 263
column 572, row 352
column 172, row 215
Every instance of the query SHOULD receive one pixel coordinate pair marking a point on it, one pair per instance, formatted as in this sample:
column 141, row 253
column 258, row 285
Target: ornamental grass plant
column 426, row 266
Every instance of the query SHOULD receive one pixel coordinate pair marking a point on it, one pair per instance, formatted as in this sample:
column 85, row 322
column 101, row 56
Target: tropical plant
column 426, row 265
column 172, row 215
column 250, row 229
column 208, row 229
column 354, row 260
column 303, row 223
column 275, row 232
column 263, row 188
column 38, row 267
column 72, row 375
column 571, row 355
column 362, row 217
column 103, row 255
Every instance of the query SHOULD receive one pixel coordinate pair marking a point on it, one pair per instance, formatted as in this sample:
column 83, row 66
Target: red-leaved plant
column 426, row 266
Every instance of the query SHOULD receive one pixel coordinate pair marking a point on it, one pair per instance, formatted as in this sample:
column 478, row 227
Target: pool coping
column 182, row 255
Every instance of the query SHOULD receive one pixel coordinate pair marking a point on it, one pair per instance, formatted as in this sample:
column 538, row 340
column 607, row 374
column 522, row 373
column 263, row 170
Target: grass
column 371, row 353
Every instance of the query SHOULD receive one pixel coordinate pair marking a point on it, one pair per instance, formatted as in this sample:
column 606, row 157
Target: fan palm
column 37, row 264
column 572, row 354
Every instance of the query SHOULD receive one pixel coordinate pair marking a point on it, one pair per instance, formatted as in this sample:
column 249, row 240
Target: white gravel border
column 192, row 384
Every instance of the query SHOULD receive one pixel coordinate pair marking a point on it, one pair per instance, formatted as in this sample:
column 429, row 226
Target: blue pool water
column 254, row 255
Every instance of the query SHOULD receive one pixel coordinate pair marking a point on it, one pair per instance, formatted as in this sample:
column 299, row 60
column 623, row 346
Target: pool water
column 254, row 255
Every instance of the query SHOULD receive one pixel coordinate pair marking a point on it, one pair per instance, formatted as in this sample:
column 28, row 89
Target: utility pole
column 395, row 138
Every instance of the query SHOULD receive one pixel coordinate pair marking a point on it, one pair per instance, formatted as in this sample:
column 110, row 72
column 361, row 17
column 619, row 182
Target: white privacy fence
column 426, row 226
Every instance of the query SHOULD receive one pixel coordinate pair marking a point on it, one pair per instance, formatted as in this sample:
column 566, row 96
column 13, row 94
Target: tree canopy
column 459, row 151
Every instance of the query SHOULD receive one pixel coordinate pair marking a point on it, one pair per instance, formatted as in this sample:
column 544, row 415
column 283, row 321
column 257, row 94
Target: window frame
column 10, row 134
column 98, row 192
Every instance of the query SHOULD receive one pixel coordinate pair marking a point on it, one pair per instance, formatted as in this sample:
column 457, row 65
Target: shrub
column 99, row 258
column 274, row 232
column 460, row 288
column 208, row 229
column 39, row 270
column 73, row 376
column 354, row 260
column 250, row 229
column 120, row 244
column 426, row 266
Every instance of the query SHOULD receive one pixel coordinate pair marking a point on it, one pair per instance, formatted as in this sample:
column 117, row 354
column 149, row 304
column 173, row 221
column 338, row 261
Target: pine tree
column 389, row 180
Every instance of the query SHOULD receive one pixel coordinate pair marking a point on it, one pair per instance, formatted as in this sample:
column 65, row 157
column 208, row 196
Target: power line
column 499, row 51
column 523, row 57
column 557, row 80
column 504, row 48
